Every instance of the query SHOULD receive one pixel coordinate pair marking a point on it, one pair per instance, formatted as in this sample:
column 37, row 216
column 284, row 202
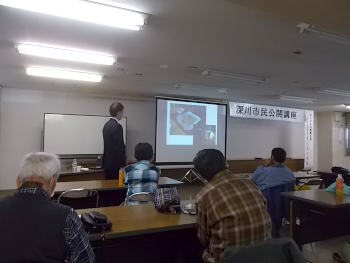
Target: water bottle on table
column 121, row 177
column 74, row 165
column 339, row 185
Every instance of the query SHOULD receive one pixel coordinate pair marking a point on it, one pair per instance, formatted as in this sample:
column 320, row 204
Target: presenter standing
column 113, row 142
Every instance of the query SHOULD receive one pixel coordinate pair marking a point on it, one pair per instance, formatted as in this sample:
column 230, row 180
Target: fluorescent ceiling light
column 295, row 99
column 232, row 76
column 337, row 92
column 323, row 34
column 65, row 54
column 83, row 10
column 63, row 74
column 202, row 88
column 347, row 106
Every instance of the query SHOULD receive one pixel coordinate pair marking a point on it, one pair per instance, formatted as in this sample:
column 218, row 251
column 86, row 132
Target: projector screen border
column 186, row 164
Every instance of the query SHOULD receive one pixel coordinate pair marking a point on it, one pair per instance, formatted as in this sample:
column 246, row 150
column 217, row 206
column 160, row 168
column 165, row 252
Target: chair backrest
column 280, row 250
column 277, row 205
column 141, row 197
column 339, row 170
column 79, row 198
column 313, row 183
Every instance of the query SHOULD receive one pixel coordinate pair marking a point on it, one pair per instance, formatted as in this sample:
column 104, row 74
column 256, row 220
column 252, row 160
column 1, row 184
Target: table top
column 245, row 175
column 320, row 197
column 325, row 172
column 70, row 172
column 304, row 175
column 105, row 185
column 298, row 175
column 139, row 219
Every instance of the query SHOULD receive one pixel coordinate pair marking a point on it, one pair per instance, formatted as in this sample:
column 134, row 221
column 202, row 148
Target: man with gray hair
column 33, row 228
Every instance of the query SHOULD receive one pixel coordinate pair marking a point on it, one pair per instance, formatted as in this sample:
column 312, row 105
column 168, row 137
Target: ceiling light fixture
column 347, row 106
column 337, row 92
column 323, row 34
column 232, row 76
column 65, row 54
column 294, row 99
column 63, row 74
column 202, row 88
column 83, row 10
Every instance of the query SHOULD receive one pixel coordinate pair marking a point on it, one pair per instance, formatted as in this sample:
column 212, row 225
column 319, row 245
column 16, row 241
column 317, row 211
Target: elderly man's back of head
column 39, row 164
column 36, row 229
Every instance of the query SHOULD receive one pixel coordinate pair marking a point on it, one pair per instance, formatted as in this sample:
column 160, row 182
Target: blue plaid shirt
column 79, row 249
column 141, row 177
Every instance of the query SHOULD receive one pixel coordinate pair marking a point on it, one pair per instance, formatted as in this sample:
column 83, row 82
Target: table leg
column 295, row 222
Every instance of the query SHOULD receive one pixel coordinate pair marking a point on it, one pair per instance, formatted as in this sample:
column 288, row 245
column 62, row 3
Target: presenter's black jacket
column 114, row 147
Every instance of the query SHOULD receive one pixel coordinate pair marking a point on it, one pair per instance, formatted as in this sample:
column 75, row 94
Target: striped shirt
column 79, row 249
column 141, row 177
column 230, row 211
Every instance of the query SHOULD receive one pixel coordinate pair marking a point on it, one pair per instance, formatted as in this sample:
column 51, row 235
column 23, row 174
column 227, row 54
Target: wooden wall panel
column 236, row 166
column 249, row 166
column 81, row 177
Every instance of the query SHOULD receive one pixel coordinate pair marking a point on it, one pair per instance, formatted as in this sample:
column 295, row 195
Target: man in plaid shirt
column 142, row 176
column 231, row 210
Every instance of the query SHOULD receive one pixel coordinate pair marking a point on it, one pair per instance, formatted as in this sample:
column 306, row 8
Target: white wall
column 0, row 112
column 339, row 145
column 324, row 140
column 249, row 138
column 22, row 116
column 331, row 142
column 315, row 168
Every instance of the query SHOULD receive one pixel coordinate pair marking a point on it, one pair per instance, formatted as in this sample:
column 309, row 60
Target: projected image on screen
column 188, row 124
column 185, row 127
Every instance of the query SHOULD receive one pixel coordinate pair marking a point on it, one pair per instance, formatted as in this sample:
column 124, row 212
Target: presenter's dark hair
column 209, row 162
column 279, row 155
column 143, row 151
column 115, row 108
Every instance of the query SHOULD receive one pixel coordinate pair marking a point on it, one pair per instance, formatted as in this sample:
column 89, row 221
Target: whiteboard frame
column 79, row 156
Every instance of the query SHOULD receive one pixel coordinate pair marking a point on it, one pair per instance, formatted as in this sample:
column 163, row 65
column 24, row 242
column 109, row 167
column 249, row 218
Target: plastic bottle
column 121, row 177
column 339, row 186
column 74, row 165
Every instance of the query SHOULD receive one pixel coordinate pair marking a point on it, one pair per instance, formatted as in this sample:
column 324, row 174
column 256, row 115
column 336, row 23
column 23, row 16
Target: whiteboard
column 75, row 134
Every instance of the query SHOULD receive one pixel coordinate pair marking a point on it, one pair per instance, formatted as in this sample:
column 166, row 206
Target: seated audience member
column 142, row 176
column 230, row 209
column 33, row 228
column 274, row 172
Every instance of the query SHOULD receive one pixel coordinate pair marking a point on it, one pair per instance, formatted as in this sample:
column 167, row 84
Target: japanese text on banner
column 254, row 111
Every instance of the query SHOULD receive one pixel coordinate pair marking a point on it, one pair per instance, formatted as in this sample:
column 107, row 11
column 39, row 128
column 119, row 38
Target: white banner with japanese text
column 309, row 140
column 254, row 111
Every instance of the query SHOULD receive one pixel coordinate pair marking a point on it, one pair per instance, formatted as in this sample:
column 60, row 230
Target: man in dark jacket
column 33, row 228
column 113, row 141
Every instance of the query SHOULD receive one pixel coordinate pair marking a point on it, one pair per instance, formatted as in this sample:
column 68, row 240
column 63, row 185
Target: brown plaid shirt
column 230, row 211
